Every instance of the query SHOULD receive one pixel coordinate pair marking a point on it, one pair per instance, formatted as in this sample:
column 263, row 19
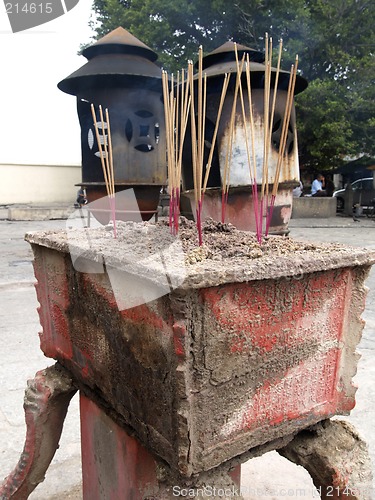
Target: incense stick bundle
column 196, row 144
column 251, row 161
column 106, row 159
column 251, row 115
column 228, row 156
column 183, row 100
column 266, row 98
column 265, row 203
column 184, row 119
column 283, row 139
column 170, row 119
column 176, row 110
column 267, row 135
column 213, row 142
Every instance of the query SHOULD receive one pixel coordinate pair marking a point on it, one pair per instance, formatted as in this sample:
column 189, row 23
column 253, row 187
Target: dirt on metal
column 227, row 253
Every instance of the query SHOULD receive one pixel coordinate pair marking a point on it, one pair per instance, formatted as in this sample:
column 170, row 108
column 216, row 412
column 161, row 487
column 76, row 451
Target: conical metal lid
column 225, row 53
column 119, row 41
column 117, row 59
column 223, row 60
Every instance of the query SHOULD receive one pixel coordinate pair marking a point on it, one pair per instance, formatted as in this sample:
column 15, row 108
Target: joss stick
column 266, row 95
column 203, row 121
column 212, row 149
column 200, row 107
column 172, row 131
column 169, row 109
column 228, row 157
column 255, row 185
column 109, row 181
column 252, row 172
column 284, row 136
column 184, row 118
column 111, row 176
column 195, row 154
column 201, row 116
column 164, row 79
column 271, row 125
column 176, row 211
column 275, row 91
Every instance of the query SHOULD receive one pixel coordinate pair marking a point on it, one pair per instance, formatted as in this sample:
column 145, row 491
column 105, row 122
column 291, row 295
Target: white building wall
column 38, row 184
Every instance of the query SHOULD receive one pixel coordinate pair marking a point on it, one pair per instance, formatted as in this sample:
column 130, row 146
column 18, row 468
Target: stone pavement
column 269, row 476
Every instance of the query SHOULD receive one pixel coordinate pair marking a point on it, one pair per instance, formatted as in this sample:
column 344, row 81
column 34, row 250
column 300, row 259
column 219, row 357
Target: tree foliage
column 333, row 38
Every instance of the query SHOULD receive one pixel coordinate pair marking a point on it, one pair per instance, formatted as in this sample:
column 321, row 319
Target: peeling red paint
column 296, row 332
column 257, row 315
column 114, row 464
column 179, row 334
column 308, row 388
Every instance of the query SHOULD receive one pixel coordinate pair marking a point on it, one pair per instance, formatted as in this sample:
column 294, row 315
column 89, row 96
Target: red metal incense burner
column 185, row 371
column 212, row 361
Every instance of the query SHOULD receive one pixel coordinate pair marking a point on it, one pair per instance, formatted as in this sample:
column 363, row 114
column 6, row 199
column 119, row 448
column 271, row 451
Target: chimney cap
column 225, row 53
column 223, row 60
column 117, row 59
column 119, row 41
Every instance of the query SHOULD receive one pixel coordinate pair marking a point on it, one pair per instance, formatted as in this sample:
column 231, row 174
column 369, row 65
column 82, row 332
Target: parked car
column 363, row 194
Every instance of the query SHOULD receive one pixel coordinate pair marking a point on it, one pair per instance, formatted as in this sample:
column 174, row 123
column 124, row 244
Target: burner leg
column 46, row 402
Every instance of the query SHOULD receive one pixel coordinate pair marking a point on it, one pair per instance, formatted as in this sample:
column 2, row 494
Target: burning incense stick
column 185, row 107
column 269, row 140
column 275, row 91
column 106, row 159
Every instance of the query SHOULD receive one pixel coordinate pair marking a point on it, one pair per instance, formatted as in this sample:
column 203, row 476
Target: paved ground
column 269, row 477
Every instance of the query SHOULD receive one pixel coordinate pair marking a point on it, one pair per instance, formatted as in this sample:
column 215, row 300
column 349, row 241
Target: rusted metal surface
column 240, row 208
column 208, row 371
column 136, row 128
column 114, row 464
column 216, row 64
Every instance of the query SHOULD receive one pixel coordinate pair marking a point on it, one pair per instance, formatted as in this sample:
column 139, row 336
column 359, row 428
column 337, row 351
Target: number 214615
column 28, row 8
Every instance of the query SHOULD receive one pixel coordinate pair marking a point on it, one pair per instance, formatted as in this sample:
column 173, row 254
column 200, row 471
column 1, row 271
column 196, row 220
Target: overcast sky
column 39, row 123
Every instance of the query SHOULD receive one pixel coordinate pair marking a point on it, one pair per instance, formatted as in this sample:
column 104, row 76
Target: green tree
column 333, row 38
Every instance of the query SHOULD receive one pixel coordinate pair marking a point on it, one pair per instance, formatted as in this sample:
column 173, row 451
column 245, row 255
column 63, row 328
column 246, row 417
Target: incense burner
column 240, row 162
column 203, row 358
column 121, row 75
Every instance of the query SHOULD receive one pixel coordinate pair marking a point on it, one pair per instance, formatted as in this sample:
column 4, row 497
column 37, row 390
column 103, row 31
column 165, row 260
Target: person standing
column 81, row 197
